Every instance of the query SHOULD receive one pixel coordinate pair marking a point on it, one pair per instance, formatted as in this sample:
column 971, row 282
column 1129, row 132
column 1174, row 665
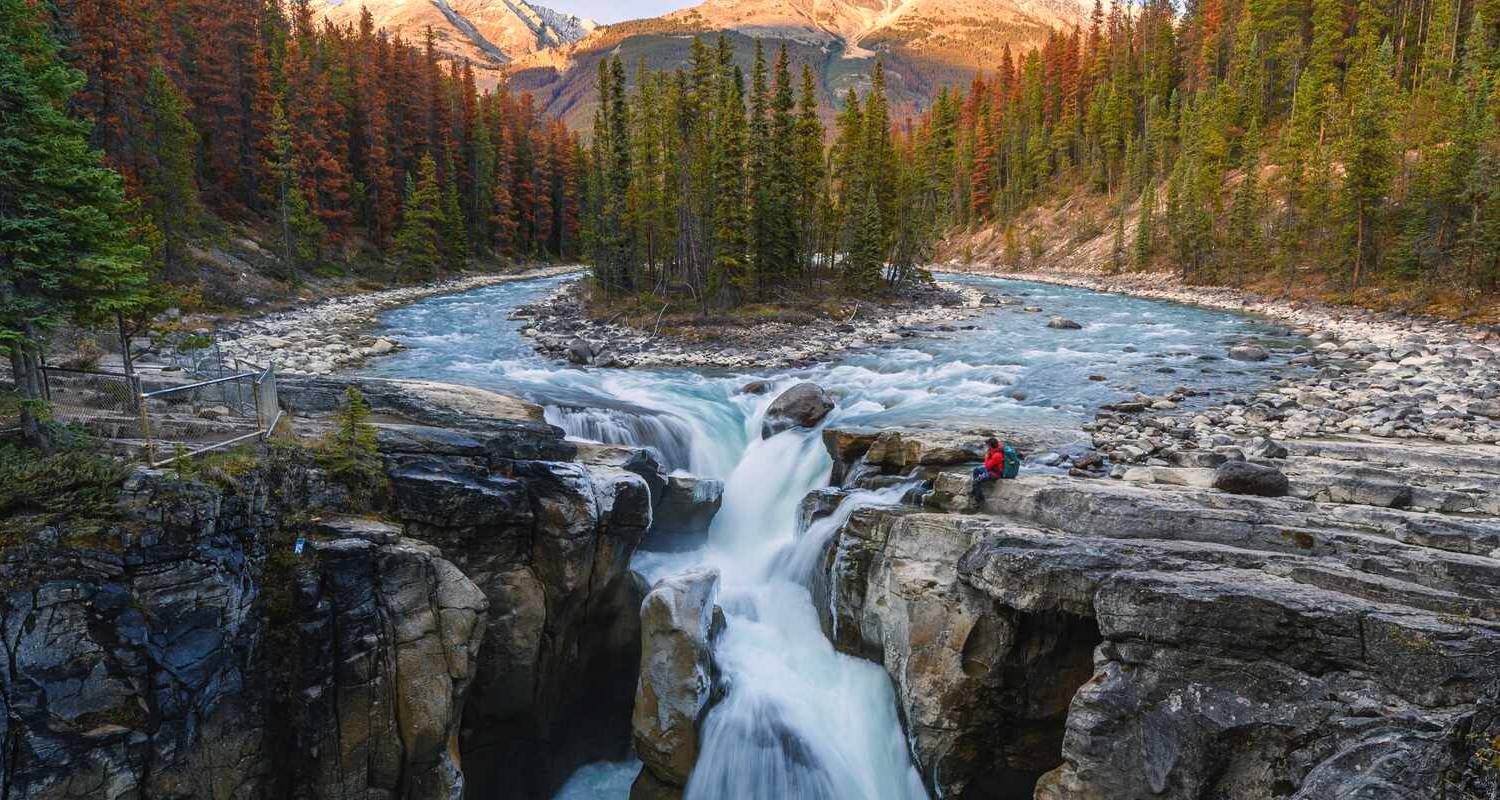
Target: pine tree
column 1145, row 231
column 169, row 189
column 417, row 250
column 1369, row 155
column 453, row 234
column 864, row 260
column 65, row 247
column 731, row 275
column 298, row 230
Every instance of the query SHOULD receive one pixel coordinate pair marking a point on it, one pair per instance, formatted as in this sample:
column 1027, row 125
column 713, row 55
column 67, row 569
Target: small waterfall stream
column 799, row 719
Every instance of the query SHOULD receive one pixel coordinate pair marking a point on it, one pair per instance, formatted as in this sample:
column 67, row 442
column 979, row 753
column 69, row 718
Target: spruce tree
column 169, row 188
column 66, row 250
column 417, row 251
column 299, row 232
column 1369, row 155
column 730, row 276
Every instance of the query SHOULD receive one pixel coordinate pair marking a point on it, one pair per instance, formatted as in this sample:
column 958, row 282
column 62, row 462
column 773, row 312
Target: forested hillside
column 341, row 146
column 1249, row 139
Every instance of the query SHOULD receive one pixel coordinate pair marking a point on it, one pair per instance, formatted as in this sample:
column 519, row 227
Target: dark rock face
column 548, row 544
column 390, row 635
column 188, row 653
column 803, row 405
column 1243, row 477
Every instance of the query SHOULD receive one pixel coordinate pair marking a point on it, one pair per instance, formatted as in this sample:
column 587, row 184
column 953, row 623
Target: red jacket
column 994, row 460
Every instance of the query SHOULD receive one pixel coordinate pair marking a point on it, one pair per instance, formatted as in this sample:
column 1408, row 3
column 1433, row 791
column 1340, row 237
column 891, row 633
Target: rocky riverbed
column 334, row 335
column 561, row 328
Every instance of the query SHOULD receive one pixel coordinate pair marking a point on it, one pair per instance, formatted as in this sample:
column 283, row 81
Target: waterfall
column 667, row 436
column 799, row 718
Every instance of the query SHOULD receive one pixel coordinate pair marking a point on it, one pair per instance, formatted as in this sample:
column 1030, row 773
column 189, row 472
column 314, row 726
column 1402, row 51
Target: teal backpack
column 1012, row 464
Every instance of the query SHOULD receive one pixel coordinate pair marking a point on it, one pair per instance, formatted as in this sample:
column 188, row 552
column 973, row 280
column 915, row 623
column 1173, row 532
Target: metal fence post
column 140, row 408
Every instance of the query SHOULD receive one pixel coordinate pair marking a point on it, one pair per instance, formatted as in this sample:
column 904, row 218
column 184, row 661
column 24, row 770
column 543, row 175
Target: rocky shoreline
column 333, row 335
column 561, row 328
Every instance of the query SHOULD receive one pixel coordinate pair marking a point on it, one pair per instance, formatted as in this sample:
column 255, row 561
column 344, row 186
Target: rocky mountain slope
column 489, row 33
column 925, row 44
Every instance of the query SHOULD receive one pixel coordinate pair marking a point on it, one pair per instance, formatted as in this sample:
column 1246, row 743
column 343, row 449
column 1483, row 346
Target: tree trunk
column 23, row 365
column 1359, row 248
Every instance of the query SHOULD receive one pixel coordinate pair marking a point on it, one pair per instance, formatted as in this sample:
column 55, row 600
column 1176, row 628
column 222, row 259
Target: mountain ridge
column 925, row 44
column 490, row 34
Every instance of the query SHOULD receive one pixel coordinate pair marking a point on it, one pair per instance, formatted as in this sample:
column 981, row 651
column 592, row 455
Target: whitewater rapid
column 798, row 718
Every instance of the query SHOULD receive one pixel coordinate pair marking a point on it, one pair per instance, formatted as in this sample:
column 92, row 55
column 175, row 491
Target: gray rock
column 1243, row 477
column 682, row 517
column 1063, row 323
column 679, row 622
column 803, row 405
column 1248, row 352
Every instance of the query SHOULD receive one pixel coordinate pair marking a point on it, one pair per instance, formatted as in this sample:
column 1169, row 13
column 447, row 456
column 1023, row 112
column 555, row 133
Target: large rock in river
column 803, row 405
column 679, row 622
column 687, row 507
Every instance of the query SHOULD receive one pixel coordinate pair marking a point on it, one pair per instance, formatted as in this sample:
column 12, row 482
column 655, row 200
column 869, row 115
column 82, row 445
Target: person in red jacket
column 993, row 467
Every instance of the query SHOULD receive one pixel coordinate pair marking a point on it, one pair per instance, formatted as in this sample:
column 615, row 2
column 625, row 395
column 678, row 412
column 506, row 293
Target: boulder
column 1063, row 323
column 802, row 406
column 1248, row 352
column 580, row 351
column 687, row 507
column 679, row 623
column 1244, row 477
column 756, row 387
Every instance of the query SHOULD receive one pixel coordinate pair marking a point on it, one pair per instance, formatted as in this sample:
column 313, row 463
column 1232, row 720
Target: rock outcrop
column 239, row 638
column 389, row 634
column 1090, row 639
column 679, row 623
column 687, row 507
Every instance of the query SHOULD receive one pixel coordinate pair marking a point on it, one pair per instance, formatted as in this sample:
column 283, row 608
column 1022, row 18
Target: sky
column 617, row 10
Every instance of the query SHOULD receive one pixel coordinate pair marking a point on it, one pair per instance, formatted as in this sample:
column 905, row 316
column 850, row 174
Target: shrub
column 75, row 486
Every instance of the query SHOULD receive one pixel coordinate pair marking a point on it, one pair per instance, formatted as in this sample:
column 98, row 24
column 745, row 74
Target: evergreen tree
column 65, row 248
column 169, row 188
column 1368, row 155
column 299, row 232
column 417, row 250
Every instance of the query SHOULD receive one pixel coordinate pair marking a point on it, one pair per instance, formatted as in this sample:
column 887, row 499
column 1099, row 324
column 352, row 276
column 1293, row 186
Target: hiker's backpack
column 1011, row 467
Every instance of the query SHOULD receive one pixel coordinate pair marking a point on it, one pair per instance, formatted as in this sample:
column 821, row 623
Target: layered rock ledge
column 1093, row 639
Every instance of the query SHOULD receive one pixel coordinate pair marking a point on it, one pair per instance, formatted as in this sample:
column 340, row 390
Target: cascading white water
column 799, row 719
column 669, row 437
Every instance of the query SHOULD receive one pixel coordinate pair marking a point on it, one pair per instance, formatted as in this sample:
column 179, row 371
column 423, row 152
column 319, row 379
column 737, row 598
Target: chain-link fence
column 159, row 393
column 208, row 415
column 102, row 403
column 193, row 355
